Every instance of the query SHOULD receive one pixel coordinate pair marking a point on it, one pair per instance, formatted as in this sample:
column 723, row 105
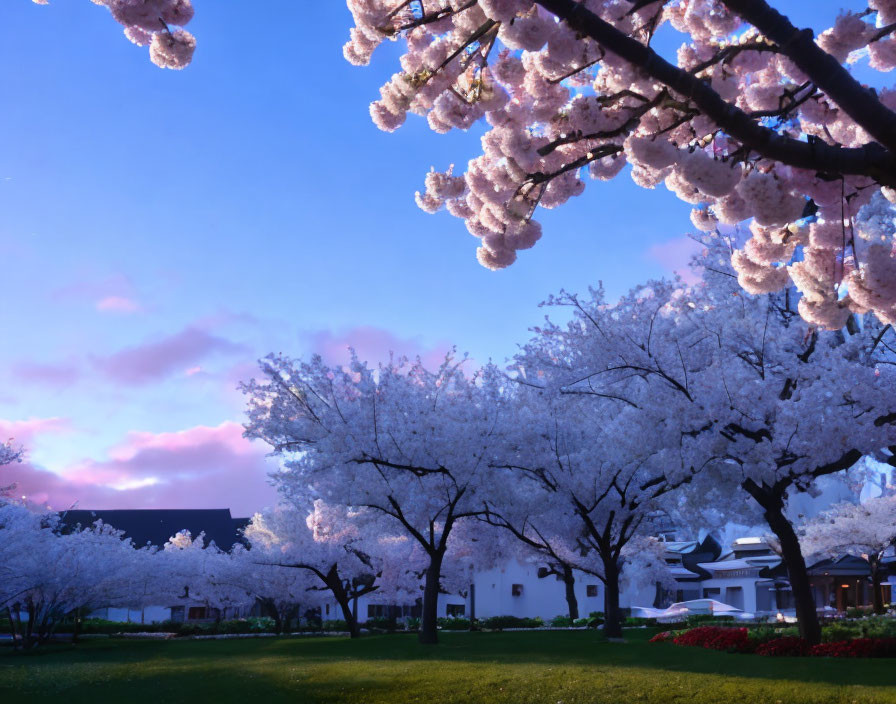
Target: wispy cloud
column 155, row 360
column 57, row 375
column 24, row 431
column 200, row 467
column 117, row 304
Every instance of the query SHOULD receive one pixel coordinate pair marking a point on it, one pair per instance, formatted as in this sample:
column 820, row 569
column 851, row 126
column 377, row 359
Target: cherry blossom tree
column 402, row 441
column 195, row 570
column 48, row 574
column 754, row 119
column 323, row 546
column 866, row 530
column 281, row 594
column 751, row 397
column 157, row 24
column 587, row 477
column 9, row 453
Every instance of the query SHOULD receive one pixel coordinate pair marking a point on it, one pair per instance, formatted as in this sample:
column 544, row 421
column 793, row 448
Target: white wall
column 151, row 614
column 544, row 598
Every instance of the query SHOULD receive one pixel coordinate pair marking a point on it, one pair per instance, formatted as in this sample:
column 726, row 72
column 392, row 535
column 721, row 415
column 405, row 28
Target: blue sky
column 162, row 230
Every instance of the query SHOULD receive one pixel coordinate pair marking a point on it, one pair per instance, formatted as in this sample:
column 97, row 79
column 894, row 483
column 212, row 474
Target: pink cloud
column 200, row 467
column 24, row 431
column 152, row 361
column 675, row 256
column 374, row 345
column 58, row 375
column 117, row 304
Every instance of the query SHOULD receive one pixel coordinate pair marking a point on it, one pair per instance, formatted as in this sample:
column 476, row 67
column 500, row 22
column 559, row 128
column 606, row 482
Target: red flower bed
column 715, row 638
column 789, row 645
column 663, row 637
column 857, row 648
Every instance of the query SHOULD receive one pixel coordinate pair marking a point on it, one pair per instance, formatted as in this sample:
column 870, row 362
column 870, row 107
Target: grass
column 516, row 668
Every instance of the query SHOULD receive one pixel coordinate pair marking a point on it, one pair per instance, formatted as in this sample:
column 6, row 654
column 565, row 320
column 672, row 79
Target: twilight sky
column 163, row 230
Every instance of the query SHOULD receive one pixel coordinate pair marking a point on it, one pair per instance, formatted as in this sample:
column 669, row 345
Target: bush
column 454, row 624
column 857, row 648
column 695, row 620
column 380, row 624
column 663, row 637
column 857, row 611
column 335, row 624
column 789, row 645
column 633, row 622
column 499, row 622
column 844, row 630
column 715, row 638
column 412, row 624
column 100, row 625
column 561, row 622
column 583, row 622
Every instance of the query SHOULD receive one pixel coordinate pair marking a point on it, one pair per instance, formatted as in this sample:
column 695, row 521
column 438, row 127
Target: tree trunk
column 429, row 621
column 344, row 601
column 77, row 627
column 807, row 616
column 269, row 609
column 14, row 627
column 29, row 640
column 612, row 613
column 472, row 605
column 877, row 597
column 569, row 581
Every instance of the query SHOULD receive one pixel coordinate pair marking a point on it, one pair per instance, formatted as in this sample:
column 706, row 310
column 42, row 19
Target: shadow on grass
column 584, row 650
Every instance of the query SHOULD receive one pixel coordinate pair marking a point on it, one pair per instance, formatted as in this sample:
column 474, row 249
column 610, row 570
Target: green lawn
column 545, row 667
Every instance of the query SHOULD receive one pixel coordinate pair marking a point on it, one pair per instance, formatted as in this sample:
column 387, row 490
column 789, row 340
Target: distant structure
column 157, row 526
column 747, row 576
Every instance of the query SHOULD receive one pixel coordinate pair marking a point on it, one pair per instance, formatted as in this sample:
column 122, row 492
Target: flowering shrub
column 715, row 638
column 663, row 637
column 788, row 645
column 857, row 648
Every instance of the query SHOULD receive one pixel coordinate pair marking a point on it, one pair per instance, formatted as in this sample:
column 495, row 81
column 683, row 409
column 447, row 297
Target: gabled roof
column 680, row 546
column 746, row 563
column 157, row 526
column 750, row 542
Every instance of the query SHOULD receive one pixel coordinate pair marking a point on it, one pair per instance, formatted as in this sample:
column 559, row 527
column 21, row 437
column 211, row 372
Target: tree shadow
column 379, row 667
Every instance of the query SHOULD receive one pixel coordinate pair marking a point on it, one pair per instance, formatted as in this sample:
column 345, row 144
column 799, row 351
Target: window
column 711, row 592
column 591, row 590
column 455, row 610
column 328, row 609
column 516, row 590
column 195, row 613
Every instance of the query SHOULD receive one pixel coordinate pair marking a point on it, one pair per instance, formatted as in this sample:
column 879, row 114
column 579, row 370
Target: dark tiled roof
column 708, row 551
column 156, row 526
column 848, row 565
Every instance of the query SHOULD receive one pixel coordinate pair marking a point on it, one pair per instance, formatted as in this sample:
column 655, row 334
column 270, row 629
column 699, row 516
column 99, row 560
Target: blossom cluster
column 715, row 638
column 560, row 107
column 157, row 24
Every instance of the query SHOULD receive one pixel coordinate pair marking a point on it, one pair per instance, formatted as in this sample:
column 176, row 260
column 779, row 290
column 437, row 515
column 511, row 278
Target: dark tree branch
column 857, row 101
column 870, row 160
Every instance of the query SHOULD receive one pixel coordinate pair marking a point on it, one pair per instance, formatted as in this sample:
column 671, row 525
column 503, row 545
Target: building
column 748, row 576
